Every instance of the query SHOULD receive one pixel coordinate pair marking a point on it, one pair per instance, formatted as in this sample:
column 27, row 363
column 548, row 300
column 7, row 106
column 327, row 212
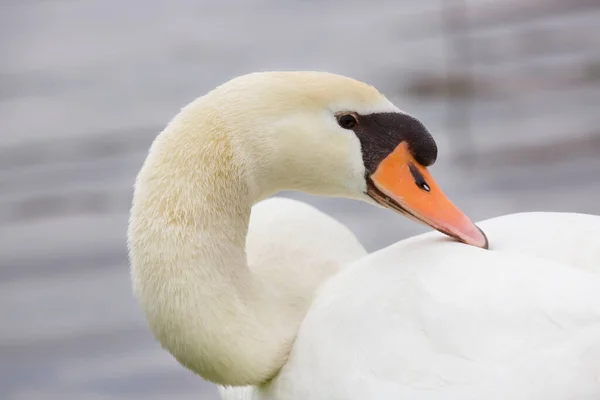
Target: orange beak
column 402, row 184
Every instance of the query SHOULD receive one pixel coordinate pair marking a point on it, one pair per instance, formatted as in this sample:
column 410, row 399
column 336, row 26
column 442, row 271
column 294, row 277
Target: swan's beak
column 402, row 184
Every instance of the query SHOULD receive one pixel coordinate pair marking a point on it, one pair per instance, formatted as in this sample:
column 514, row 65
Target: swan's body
column 521, row 321
column 296, row 248
column 305, row 314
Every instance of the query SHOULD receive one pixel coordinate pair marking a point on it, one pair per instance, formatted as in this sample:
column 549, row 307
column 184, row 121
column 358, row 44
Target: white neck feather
column 187, row 235
column 240, row 143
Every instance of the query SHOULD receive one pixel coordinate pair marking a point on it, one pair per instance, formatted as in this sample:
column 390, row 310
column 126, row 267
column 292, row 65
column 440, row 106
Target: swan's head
column 331, row 135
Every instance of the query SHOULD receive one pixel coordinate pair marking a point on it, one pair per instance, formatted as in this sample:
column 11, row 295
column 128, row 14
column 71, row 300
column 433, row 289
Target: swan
column 272, row 299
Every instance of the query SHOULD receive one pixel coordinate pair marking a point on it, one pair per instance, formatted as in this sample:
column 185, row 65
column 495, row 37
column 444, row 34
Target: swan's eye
column 347, row 121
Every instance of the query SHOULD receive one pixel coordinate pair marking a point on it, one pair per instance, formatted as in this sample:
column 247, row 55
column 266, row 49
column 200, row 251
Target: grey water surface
column 86, row 85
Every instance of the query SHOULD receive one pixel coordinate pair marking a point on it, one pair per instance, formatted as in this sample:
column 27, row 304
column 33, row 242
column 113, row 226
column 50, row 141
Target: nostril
column 419, row 179
column 423, row 186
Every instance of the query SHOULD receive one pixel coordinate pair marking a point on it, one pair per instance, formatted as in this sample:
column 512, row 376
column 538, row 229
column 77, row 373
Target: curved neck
column 187, row 236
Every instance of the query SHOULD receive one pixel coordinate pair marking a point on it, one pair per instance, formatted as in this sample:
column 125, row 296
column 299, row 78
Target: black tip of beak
column 486, row 246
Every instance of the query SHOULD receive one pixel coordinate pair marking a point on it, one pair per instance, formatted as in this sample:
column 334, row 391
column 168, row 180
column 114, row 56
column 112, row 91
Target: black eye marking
column 380, row 133
column 347, row 121
column 419, row 179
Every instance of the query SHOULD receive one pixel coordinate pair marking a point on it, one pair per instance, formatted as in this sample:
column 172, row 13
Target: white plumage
column 286, row 304
column 429, row 319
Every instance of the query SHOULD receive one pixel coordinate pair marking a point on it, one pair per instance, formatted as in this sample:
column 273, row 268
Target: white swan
column 427, row 318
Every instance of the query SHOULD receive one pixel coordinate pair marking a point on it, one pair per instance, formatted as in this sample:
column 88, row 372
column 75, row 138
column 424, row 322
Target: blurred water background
column 509, row 88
